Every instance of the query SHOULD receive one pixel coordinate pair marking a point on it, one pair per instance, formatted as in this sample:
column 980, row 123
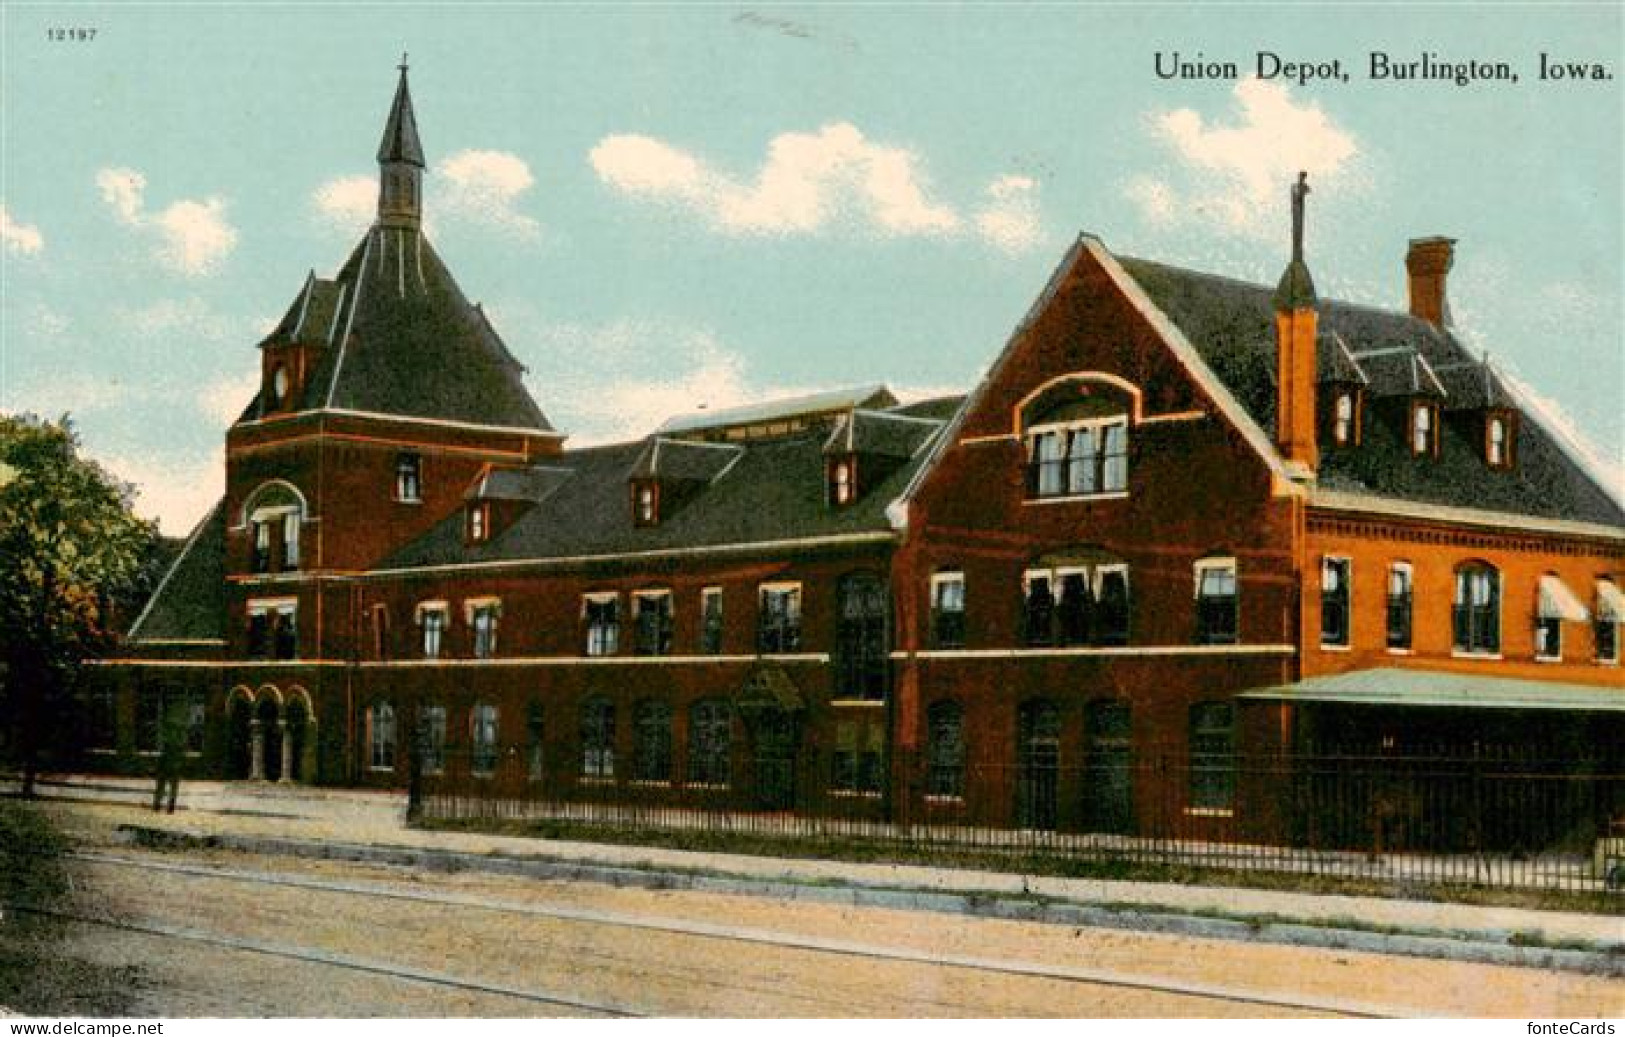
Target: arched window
column 1076, row 432
column 482, row 722
column 274, row 515
column 945, row 750
column 710, row 739
column 651, row 746
column 860, row 641
column 381, row 736
column 1477, row 611
column 597, row 738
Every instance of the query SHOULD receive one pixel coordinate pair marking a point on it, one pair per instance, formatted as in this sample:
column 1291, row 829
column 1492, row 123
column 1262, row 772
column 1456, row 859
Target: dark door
column 271, row 734
column 239, row 738
column 1109, row 772
column 774, row 733
column 1038, row 764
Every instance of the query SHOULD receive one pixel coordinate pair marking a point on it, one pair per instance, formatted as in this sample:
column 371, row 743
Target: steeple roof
column 401, row 143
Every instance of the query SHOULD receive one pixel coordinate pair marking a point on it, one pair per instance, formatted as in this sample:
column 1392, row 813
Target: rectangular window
column 262, row 546
column 380, row 632
column 1083, row 462
column 779, row 619
column 482, row 618
column 1212, row 756
column 651, row 616
column 408, row 477
column 1078, row 459
column 857, row 765
column 1606, row 616
column 1114, row 458
column 1607, row 635
column 1477, row 610
column 535, row 743
column 1548, row 639
column 272, row 630
column 1335, row 602
column 710, row 729
column 602, row 613
column 945, row 748
column 434, row 739
column 1424, row 431
column 1038, row 614
column 1216, row 601
column 290, row 541
column 1111, row 605
column 948, row 609
column 1074, row 612
column 479, row 522
column 711, row 620
column 381, row 736
column 597, row 739
column 1399, row 606
column 483, row 738
column 432, row 624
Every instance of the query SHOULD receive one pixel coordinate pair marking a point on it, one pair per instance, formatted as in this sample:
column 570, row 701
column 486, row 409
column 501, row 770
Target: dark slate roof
column 399, row 337
column 190, row 603
column 1231, row 324
column 682, row 461
column 812, row 404
column 937, row 408
column 400, row 142
column 879, row 432
column 1474, row 386
column 532, row 484
column 775, row 491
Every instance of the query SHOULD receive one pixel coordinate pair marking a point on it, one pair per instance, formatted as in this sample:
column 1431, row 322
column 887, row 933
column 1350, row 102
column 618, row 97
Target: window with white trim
column 857, row 765
column 431, row 616
column 1476, row 611
column 483, row 615
column 1213, row 755
column 711, row 620
column 1336, row 601
column 483, row 732
column 1217, row 614
column 1078, row 458
column 1424, row 428
column 408, row 477
column 651, row 622
column 1079, row 604
column 948, row 609
column 381, row 736
column 1606, row 617
column 1400, row 583
column 597, row 738
column 1346, row 418
column 778, row 627
column 601, row 612
column 273, row 631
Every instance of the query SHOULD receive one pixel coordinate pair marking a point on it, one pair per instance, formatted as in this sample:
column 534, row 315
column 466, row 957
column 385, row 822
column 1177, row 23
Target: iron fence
column 1482, row 822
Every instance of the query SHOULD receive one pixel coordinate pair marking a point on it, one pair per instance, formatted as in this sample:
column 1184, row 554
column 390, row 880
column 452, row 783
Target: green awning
column 1390, row 686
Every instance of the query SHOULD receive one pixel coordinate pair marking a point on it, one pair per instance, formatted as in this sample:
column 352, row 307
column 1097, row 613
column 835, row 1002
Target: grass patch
column 1027, row 862
column 39, row 973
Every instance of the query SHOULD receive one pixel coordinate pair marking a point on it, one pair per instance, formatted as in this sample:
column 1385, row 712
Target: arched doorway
column 268, row 735
column 239, row 763
column 299, row 740
column 1038, row 764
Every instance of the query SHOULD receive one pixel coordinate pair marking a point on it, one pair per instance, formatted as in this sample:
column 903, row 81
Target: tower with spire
column 400, row 163
column 1297, row 332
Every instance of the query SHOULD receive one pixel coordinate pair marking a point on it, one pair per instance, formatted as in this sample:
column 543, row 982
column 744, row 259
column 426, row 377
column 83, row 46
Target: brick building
column 1181, row 515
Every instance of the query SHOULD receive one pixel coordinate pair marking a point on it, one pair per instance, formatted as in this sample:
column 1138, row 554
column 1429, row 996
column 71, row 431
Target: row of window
column 706, row 762
column 182, row 710
column 1422, row 429
column 1475, row 610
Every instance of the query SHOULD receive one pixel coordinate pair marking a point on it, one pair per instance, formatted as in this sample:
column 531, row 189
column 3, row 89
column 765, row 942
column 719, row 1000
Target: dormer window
column 843, row 480
column 1424, row 433
column 1498, row 440
column 1346, row 418
column 1076, row 431
column 645, row 503
column 479, row 522
column 280, row 383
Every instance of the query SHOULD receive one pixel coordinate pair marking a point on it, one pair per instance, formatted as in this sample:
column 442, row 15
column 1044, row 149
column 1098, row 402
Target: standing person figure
column 171, row 744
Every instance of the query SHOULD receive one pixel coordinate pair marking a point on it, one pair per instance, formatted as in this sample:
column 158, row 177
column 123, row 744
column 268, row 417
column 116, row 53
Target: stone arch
column 270, row 494
column 240, row 703
column 267, row 734
column 299, row 738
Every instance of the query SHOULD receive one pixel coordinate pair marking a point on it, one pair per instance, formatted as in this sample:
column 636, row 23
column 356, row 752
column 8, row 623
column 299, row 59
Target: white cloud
column 223, row 399
column 175, row 489
column 191, row 236
column 181, row 320
column 806, row 182
column 1235, row 174
column 65, row 392
column 1009, row 222
column 22, row 238
column 483, row 187
column 348, row 203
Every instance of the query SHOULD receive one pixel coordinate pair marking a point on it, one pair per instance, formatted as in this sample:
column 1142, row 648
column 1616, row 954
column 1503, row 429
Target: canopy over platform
column 1390, row 686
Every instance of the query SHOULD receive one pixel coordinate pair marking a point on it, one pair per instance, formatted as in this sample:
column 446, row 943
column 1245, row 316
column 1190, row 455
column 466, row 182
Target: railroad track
column 682, row 927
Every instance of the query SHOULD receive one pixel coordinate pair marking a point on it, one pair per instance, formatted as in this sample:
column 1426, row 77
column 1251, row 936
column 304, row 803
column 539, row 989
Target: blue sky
column 668, row 206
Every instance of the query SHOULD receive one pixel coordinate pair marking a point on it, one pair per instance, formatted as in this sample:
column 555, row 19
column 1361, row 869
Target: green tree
column 71, row 554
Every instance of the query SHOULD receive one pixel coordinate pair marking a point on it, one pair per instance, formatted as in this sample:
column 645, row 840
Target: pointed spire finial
column 1296, row 288
column 403, row 65
column 1300, row 191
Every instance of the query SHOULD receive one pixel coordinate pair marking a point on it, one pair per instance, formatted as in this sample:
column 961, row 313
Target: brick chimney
column 1428, row 264
column 1297, row 324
